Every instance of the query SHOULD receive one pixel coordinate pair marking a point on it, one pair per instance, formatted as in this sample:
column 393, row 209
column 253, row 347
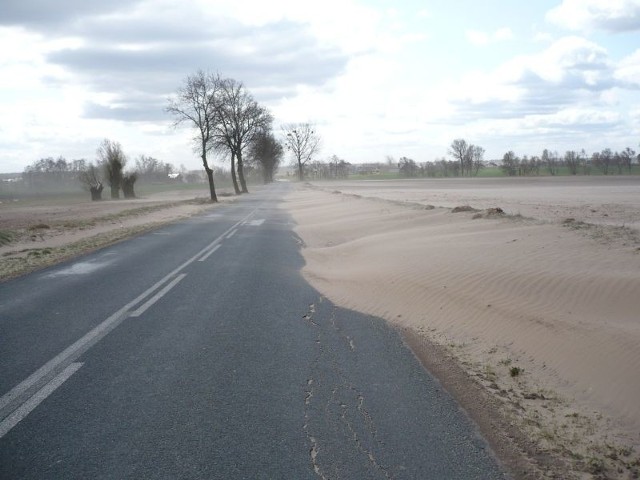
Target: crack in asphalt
column 344, row 409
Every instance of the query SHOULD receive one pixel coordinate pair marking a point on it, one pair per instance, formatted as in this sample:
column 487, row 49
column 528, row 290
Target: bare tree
column 572, row 161
column 626, row 157
column 196, row 102
column 407, row 167
column 303, row 142
column 112, row 159
column 92, row 181
column 459, row 149
column 153, row 170
column 267, row 152
column 510, row 164
column 550, row 160
column 603, row 160
column 240, row 119
column 476, row 154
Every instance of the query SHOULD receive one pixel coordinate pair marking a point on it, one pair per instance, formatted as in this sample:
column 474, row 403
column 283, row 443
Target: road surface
column 199, row 351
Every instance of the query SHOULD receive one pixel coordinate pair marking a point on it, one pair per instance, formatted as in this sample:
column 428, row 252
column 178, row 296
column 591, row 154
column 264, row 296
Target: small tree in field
column 113, row 160
column 303, row 142
column 459, row 150
column 91, row 180
column 127, row 184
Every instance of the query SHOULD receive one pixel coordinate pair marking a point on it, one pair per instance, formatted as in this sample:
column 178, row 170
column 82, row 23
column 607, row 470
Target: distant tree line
column 53, row 172
column 109, row 168
column 332, row 168
column 605, row 162
column 468, row 160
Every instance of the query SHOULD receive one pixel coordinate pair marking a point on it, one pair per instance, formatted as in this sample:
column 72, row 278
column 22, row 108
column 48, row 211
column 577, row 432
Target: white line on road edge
column 208, row 254
column 232, row 234
column 37, row 398
column 96, row 334
column 157, row 296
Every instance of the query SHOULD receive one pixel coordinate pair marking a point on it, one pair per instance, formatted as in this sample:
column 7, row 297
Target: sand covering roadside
column 546, row 315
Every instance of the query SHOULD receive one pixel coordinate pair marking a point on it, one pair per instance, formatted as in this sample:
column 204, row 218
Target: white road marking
column 80, row 346
column 157, row 296
column 25, row 409
column 208, row 254
column 256, row 223
column 232, row 233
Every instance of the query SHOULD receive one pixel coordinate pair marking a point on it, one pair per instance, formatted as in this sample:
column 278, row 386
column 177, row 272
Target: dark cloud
column 46, row 14
column 133, row 112
column 273, row 60
column 133, row 54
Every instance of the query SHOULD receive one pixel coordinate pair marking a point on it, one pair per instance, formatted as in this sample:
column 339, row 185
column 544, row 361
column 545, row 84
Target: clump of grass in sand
column 6, row 237
column 604, row 233
column 39, row 226
column 463, row 208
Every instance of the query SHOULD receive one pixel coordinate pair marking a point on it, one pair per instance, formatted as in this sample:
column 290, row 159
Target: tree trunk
column 96, row 192
column 212, row 188
column 300, row 171
column 233, row 173
column 128, row 182
column 115, row 192
column 243, row 184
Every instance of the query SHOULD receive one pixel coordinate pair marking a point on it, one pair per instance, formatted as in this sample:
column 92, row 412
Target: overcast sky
column 377, row 77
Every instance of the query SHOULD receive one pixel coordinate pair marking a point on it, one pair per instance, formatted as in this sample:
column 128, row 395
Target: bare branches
column 240, row 119
column 267, row 152
column 196, row 102
column 303, row 142
column 113, row 160
column 92, row 181
column 225, row 116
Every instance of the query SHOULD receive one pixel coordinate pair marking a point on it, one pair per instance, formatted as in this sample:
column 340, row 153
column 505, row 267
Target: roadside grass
column 28, row 260
column 6, row 237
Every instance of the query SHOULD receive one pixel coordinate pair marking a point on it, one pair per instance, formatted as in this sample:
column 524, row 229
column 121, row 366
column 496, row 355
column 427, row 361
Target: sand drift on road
column 539, row 301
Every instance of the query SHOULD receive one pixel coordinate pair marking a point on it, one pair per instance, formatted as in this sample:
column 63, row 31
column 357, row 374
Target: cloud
column 570, row 71
column 45, row 14
column 608, row 15
column 477, row 37
column 135, row 58
column 628, row 70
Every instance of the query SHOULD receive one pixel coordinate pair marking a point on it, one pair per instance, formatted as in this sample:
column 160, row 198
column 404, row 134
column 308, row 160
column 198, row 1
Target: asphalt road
column 199, row 351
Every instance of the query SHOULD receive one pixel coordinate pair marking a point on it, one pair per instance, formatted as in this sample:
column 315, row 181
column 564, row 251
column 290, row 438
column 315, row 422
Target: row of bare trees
column 109, row 168
column 469, row 157
column 228, row 120
column 576, row 163
column 50, row 172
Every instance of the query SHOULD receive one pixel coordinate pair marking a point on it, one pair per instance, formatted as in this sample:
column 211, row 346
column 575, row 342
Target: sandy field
column 538, row 303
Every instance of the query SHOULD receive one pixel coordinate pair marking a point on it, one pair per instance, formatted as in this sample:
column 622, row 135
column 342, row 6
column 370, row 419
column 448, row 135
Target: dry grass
column 555, row 424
